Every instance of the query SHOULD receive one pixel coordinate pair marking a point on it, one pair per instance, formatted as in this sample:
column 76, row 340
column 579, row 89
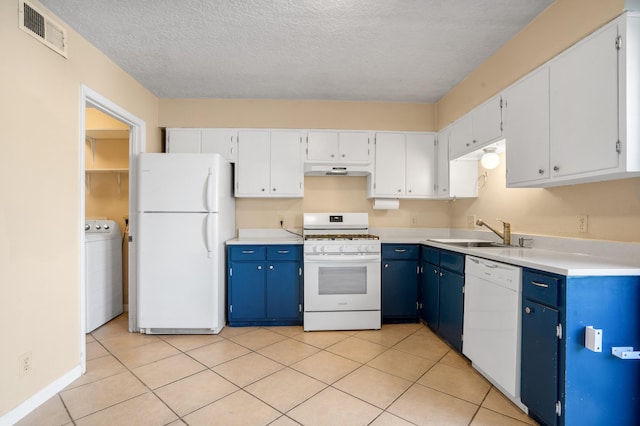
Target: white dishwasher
column 492, row 317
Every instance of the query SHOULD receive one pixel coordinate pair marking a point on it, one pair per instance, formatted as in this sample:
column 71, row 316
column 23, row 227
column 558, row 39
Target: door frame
column 137, row 144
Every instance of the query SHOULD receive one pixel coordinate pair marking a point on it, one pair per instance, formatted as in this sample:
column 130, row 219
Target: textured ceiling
column 363, row 50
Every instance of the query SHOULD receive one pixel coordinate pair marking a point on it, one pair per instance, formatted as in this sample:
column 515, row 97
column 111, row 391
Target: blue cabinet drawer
column 247, row 252
column 451, row 261
column 284, row 252
column 400, row 251
column 541, row 287
column 431, row 255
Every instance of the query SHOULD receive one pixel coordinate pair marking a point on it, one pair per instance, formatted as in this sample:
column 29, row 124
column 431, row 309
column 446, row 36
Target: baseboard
column 39, row 398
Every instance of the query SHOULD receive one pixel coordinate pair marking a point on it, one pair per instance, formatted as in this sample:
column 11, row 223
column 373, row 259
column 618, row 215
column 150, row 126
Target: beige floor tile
column 454, row 359
column 464, row 384
column 194, row 392
column 496, row 401
column 401, row 364
column 356, row 349
column 247, row 369
column 167, row 370
column 287, row 330
column 285, row 389
column 97, row 369
column 424, row 406
column 187, row 342
column 127, row 341
column 288, row 351
column 423, row 345
column 387, row 419
column 51, row 413
column 219, row 352
column 228, row 332
column 145, row 409
column 386, row 336
column 486, row 417
column 284, row 421
column 92, row 397
column 115, row 327
column 321, row 339
column 257, row 339
column 333, row 407
column 239, row 408
column 326, row 366
column 146, row 354
column 373, row 386
column 89, row 338
column 177, row 423
column 95, row 350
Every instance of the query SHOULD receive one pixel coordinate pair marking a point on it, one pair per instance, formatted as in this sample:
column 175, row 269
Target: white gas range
column 341, row 272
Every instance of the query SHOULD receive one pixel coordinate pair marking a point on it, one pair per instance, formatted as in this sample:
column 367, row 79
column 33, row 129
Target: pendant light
column 490, row 159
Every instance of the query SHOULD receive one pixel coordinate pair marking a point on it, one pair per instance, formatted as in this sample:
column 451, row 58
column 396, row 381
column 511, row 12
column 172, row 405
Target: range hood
column 311, row 169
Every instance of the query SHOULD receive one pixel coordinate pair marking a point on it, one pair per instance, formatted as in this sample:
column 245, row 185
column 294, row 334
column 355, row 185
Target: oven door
column 346, row 282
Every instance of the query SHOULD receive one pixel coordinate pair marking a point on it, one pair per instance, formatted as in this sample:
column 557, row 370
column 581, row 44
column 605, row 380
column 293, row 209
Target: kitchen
column 612, row 207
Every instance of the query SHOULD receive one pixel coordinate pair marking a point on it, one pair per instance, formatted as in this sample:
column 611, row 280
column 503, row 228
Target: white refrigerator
column 186, row 213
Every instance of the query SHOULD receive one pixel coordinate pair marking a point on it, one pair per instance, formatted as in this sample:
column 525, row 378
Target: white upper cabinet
column 338, row 147
column 457, row 178
column 442, row 164
column 220, row 141
column 404, row 166
column 526, row 130
column 575, row 119
column 269, row 164
column 476, row 129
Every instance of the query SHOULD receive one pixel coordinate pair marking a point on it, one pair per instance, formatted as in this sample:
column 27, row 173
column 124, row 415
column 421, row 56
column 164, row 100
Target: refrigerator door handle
column 209, row 235
column 209, row 190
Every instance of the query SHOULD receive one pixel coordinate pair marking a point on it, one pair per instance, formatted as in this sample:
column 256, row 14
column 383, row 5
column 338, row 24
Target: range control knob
column 87, row 226
column 106, row 227
column 98, row 227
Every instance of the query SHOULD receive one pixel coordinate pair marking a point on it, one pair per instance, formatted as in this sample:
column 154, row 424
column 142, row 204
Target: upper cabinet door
column 584, row 106
column 442, row 164
column 527, row 128
column 184, row 140
column 420, row 160
column 221, row 142
column 460, row 137
column 390, row 165
column 286, row 164
column 487, row 122
column 322, row 146
column 354, row 147
column 253, row 169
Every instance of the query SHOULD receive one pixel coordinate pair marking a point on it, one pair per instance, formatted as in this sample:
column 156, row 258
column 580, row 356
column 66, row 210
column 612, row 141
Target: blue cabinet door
column 247, row 291
column 400, row 290
column 283, row 290
column 451, row 308
column 431, row 295
column 539, row 380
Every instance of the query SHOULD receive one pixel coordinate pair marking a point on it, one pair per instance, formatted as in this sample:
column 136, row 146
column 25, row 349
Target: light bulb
column 490, row 159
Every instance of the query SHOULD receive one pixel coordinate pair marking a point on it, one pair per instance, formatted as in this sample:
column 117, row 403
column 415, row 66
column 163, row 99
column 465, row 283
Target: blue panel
column 283, row 290
column 452, row 261
column 400, row 289
column 431, row 295
column 284, row 252
column 543, row 287
column 451, row 308
column 246, row 252
column 400, row 251
column 431, row 255
column 247, row 287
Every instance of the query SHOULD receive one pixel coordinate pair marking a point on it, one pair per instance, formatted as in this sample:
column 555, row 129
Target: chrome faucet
column 506, row 230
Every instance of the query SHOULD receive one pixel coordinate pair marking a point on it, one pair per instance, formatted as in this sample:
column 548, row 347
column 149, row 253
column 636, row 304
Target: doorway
column 110, row 169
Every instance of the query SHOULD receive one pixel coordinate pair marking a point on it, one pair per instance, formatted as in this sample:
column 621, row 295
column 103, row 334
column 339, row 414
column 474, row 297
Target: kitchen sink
column 468, row 243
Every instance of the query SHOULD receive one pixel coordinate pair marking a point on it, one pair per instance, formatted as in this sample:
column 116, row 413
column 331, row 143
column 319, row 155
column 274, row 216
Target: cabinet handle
column 537, row 284
column 540, row 171
column 271, row 267
column 474, row 141
column 247, row 251
column 332, row 155
column 262, row 189
column 386, row 265
column 274, row 190
column 441, row 273
column 556, row 168
column 343, row 155
column 399, row 190
column 528, row 310
column 283, row 251
column 259, row 267
column 400, row 250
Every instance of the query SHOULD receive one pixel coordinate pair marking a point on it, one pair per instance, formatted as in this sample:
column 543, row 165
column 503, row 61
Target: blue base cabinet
column 442, row 293
column 400, row 276
column 264, row 285
column 563, row 382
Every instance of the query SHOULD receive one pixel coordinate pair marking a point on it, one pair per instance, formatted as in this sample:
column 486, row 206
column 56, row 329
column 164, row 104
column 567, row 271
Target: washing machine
column 103, row 272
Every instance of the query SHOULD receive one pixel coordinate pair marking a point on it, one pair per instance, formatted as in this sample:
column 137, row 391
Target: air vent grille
column 42, row 28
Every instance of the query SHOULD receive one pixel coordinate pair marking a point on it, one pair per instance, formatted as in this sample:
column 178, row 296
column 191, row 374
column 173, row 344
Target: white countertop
column 265, row 236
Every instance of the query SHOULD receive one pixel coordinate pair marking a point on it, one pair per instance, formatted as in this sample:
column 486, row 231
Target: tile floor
column 400, row 375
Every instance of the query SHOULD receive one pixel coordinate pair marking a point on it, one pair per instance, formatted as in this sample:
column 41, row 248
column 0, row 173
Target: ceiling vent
column 40, row 26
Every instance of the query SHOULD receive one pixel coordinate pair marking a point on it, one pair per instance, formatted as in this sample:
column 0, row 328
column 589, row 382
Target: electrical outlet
column 281, row 221
column 24, row 361
column 583, row 223
column 471, row 221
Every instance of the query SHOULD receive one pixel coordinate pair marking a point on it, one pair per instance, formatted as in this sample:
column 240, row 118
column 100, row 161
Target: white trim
column 40, row 397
